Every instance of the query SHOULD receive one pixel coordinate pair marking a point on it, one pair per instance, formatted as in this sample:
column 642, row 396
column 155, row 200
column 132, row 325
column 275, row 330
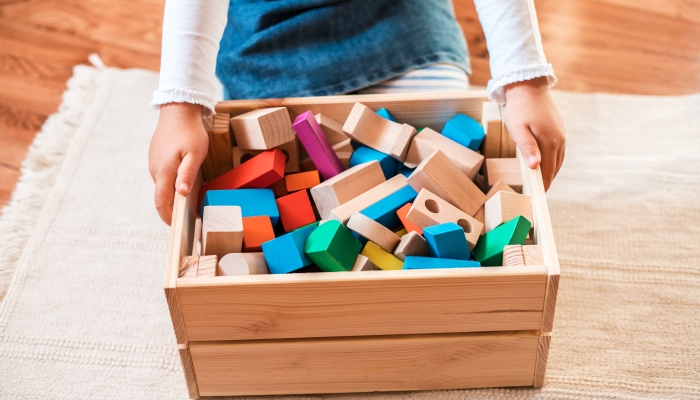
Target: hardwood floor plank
column 8, row 180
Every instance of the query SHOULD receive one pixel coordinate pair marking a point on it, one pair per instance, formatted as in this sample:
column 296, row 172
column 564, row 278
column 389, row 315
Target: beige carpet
column 85, row 315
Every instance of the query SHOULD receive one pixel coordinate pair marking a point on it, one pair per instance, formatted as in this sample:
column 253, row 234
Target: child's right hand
column 178, row 148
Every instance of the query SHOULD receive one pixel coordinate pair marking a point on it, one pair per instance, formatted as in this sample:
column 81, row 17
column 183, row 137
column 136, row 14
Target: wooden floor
column 619, row 46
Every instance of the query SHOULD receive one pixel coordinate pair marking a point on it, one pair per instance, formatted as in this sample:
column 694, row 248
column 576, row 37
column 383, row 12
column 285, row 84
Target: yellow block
column 380, row 257
column 401, row 232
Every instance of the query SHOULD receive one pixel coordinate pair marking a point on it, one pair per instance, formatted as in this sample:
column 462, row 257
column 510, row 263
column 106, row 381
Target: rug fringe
column 40, row 170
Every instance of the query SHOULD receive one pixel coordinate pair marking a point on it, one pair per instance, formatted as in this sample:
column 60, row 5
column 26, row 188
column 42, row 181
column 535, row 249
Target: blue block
column 447, row 241
column 385, row 113
column 384, row 211
column 405, row 171
column 365, row 154
column 465, row 131
column 413, row 262
column 253, row 202
column 286, row 253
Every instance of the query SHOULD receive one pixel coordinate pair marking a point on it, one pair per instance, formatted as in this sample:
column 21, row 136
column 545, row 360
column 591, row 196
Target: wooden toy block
column 253, row 202
column 507, row 143
column 363, row 263
column 428, row 141
column 242, row 264
column 344, row 157
column 447, row 241
column 332, row 247
column 464, row 130
column 372, row 130
column 207, row 266
column 384, row 210
column 373, row 231
column 381, row 258
column 314, row 141
column 414, row 262
column 440, row 176
column 262, row 129
column 302, row 180
column 332, row 129
column 295, row 210
column 222, row 230
column 343, row 146
column 401, row 232
column 481, row 214
column 197, row 240
column 346, row 186
column 504, row 206
column 218, row 159
column 289, row 149
column 517, row 255
column 491, row 122
column 196, row 266
column 489, row 248
column 285, row 254
column 260, row 171
column 411, row 244
column 506, row 170
column 279, row 188
column 344, row 211
column 405, row 171
column 256, row 231
column 306, row 164
column 365, row 154
column 384, row 113
column 481, row 217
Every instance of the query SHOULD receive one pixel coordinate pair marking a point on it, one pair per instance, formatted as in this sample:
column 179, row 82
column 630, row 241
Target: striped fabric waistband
column 434, row 78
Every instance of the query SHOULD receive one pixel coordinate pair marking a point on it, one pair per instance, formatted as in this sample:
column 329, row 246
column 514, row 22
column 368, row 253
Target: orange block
column 256, row 231
column 295, row 210
column 302, row 180
column 410, row 226
column 279, row 188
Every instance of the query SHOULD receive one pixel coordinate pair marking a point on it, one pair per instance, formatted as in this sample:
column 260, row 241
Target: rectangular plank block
column 372, row 130
column 302, row 180
column 314, row 141
column 346, row 186
column 218, row 159
column 385, row 210
column 236, row 264
column 464, row 130
column 197, row 266
column 504, row 206
column 332, row 129
column 481, row 214
column 344, row 211
column 506, row 170
column 256, row 231
column 428, row 141
column 262, row 129
column 332, row 247
column 439, row 175
column 286, row 253
column 373, row 231
column 517, row 255
column 295, row 210
column 253, row 202
column 447, row 240
column 491, row 122
column 411, row 244
column 381, row 258
column 413, row 262
column 489, row 249
column 363, row 263
column 222, row 230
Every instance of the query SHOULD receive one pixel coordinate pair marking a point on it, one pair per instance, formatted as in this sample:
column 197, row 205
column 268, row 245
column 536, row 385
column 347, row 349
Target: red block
column 295, row 210
column 259, row 172
column 256, row 231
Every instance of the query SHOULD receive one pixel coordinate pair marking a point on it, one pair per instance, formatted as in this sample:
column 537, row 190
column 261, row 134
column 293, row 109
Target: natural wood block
column 295, row 210
column 256, row 231
column 416, row 262
column 332, row 129
column 314, row 141
column 344, row 211
column 408, row 225
column 306, row 164
column 363, row 263
column 207, row 266
column 344, row 157
column 262, row 129
column 489, row 250
column 492, row 122
column 464, row 130
column 411, row 244
column 302, row 180
column 440, row 176
column 343, row 146
column 384, row 113
column 381, row 258
column 279, row 188
column 428, row 141
column 481, row 217
column 481, row 214
column 253, row 202
column 346, row 186
column 372, row 130
column 332, row 247
column 504, row 206
column 507, row 143
column 447, row 240
column 285, row 253
column 506, row 170
column 197, row 240
column 289, row 149
column 533, row 254
column 242, row 264
column 517, row 255
column 373, row 231
column 197, row 266
column 222, row 230
column 218, row 159
column 429, row 209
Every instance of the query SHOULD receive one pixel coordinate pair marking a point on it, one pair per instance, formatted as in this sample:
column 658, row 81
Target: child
column 289, row 48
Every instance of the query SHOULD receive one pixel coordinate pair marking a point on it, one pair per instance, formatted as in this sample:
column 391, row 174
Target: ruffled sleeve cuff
column 495, row 86
column 184, row 96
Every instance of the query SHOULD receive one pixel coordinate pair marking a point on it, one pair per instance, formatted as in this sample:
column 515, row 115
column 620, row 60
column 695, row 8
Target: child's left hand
column 535, row 124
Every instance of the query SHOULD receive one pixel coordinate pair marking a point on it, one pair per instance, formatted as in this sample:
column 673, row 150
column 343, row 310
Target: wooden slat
column 363, row 304
column 188, row 369
column 425, row 362
column 541, row 363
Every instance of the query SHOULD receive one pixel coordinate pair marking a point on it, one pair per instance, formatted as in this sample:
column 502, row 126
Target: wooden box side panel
column 188, row 367
column 425, row 362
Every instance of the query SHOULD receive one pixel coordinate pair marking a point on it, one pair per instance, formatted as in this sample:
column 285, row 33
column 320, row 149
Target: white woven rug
column 85, row 315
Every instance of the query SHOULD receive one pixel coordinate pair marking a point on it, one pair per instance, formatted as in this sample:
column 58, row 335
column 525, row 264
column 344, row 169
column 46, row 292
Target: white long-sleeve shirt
column 192, row 30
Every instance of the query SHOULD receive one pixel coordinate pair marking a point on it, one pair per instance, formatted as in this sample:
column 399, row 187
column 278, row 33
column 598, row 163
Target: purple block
column 316, row 144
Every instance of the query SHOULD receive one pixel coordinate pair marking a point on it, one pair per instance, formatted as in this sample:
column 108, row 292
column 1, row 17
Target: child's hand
column 535, row 124
column 178, row 148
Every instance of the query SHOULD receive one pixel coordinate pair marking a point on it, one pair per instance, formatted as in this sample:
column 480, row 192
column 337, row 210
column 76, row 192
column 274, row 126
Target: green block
column 489, row 249
column 332, row 247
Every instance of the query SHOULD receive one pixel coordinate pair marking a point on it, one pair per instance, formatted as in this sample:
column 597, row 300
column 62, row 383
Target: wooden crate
column 369, row 331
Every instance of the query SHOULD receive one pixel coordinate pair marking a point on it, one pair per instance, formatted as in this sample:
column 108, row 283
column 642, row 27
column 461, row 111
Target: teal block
column 253, row 202
column 286, row 253
column 384, row 211
column 414, row 262
column 332, row 247
column 365, row 154
column 447, row 241
column 489, row 248
column 383, row 112
column 465, row 131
